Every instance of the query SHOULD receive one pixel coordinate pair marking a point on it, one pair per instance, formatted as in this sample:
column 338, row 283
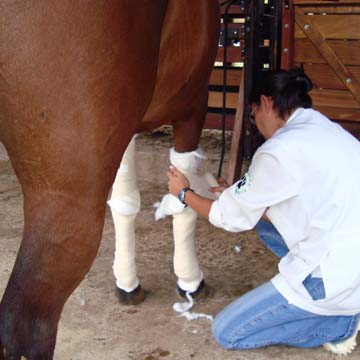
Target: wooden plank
column 323, row 76
column 233, row 10
column 214, row 121
column 322, row 2
column 310, row 27
column 349, row 9
column 233, row 77
column 351, row 127
column 235, row 158
column 332, row 26
column 216, row 100
column 340, row 114
column 234, row 54
column 334, row 98
column 348, row 51
column 287, row 36
column 235, row 26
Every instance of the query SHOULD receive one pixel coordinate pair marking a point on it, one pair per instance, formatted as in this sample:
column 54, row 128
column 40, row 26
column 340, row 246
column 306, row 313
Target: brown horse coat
column 77, row 80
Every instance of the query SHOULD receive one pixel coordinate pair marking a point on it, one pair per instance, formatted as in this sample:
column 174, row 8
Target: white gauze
column 125, row 204
column 192, row 165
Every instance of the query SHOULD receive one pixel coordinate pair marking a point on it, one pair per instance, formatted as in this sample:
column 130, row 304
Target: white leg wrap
column 124, row 262
column 125, row 204
column 186, row 265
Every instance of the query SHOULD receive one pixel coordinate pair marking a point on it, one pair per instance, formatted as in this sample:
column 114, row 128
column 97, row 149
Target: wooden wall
column 327, row 44
column 325, row 39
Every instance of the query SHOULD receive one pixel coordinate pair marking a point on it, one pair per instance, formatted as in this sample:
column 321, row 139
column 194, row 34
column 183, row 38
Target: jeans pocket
column 315, row 287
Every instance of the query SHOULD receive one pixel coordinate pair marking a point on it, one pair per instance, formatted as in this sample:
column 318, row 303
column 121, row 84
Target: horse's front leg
column 189, row 159
column 181, row 97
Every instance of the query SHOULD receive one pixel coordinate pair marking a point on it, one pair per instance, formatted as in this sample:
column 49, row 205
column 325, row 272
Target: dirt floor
column 93, row 324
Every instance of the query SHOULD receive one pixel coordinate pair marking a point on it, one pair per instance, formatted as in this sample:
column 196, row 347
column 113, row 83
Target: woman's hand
column 177, row 181
column 222, row 186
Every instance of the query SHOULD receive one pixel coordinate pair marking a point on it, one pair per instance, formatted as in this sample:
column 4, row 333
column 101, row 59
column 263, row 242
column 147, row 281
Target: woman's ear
column 266, row 102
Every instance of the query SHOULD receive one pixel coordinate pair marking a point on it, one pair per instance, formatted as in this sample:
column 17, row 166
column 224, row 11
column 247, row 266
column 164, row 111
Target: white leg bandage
column 186, row 265
column 125, row 204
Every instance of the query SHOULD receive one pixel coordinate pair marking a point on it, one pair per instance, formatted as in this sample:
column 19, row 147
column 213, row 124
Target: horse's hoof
column 24, row 333
column 203, row 291
column 134, row 297
column 2, row 351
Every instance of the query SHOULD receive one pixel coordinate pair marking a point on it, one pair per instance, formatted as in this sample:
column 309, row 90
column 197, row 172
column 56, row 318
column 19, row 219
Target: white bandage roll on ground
column 125, row 204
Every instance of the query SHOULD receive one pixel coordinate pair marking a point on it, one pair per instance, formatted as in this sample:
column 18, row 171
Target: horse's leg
column 186, row 156
column 125, row 204
column 192, row 164
column 181, row 97
column 67, row 114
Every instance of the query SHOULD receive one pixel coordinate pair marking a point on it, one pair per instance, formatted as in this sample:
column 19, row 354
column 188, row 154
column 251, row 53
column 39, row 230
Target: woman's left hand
column 177, row 181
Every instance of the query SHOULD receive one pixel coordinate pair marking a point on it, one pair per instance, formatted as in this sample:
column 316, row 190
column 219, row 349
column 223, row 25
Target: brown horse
column 77, row 80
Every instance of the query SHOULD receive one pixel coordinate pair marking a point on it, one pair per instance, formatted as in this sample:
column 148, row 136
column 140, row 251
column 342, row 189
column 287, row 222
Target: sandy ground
column 93, row 324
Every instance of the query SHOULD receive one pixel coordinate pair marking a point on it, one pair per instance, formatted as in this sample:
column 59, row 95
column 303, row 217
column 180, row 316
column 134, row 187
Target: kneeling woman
column 305, row 181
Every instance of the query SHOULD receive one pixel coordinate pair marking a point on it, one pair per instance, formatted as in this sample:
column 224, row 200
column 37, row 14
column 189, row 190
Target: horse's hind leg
column 67, row 114
column 61, row 236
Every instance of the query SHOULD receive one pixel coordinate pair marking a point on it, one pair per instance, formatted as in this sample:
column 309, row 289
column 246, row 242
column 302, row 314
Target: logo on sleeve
column 243, row 184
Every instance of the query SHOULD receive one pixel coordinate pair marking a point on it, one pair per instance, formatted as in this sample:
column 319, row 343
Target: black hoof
column 134, row 297
column 203, row 291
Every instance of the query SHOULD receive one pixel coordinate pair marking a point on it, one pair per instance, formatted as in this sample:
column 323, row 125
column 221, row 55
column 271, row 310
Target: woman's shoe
column 344, row 347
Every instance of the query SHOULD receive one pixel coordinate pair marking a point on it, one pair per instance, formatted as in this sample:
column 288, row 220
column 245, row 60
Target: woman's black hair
column 287, row 88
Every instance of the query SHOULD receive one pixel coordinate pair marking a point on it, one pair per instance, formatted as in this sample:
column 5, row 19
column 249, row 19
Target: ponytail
column 287, row 89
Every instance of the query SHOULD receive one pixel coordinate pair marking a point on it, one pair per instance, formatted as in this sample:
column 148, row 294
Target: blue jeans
column 263, row 317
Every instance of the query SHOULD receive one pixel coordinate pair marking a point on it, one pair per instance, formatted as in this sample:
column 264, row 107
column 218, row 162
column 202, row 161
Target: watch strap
column 181, row 194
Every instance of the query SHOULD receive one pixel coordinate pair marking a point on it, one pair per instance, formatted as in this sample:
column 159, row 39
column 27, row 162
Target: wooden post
column 236, row 154
column 287, row 35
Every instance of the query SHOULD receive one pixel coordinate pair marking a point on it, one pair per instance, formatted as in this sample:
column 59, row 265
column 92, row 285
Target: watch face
column 182, row 195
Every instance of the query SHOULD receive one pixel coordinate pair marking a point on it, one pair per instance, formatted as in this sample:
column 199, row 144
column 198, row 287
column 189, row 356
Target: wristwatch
column 181, row 195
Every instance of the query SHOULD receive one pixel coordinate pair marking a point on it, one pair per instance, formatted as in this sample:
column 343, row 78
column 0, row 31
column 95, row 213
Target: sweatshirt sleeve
column 268, row 182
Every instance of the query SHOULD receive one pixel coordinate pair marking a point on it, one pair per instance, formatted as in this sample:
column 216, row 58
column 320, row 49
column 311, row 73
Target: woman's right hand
column 223, row 185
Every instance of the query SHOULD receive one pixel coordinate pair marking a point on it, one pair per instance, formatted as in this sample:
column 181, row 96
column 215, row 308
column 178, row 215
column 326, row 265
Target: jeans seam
column 254, row 319
column 299, row 340
column 288, row 341
column 350, row 331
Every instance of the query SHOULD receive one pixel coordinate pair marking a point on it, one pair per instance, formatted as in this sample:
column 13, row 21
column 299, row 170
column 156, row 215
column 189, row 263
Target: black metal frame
column 263, row 23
